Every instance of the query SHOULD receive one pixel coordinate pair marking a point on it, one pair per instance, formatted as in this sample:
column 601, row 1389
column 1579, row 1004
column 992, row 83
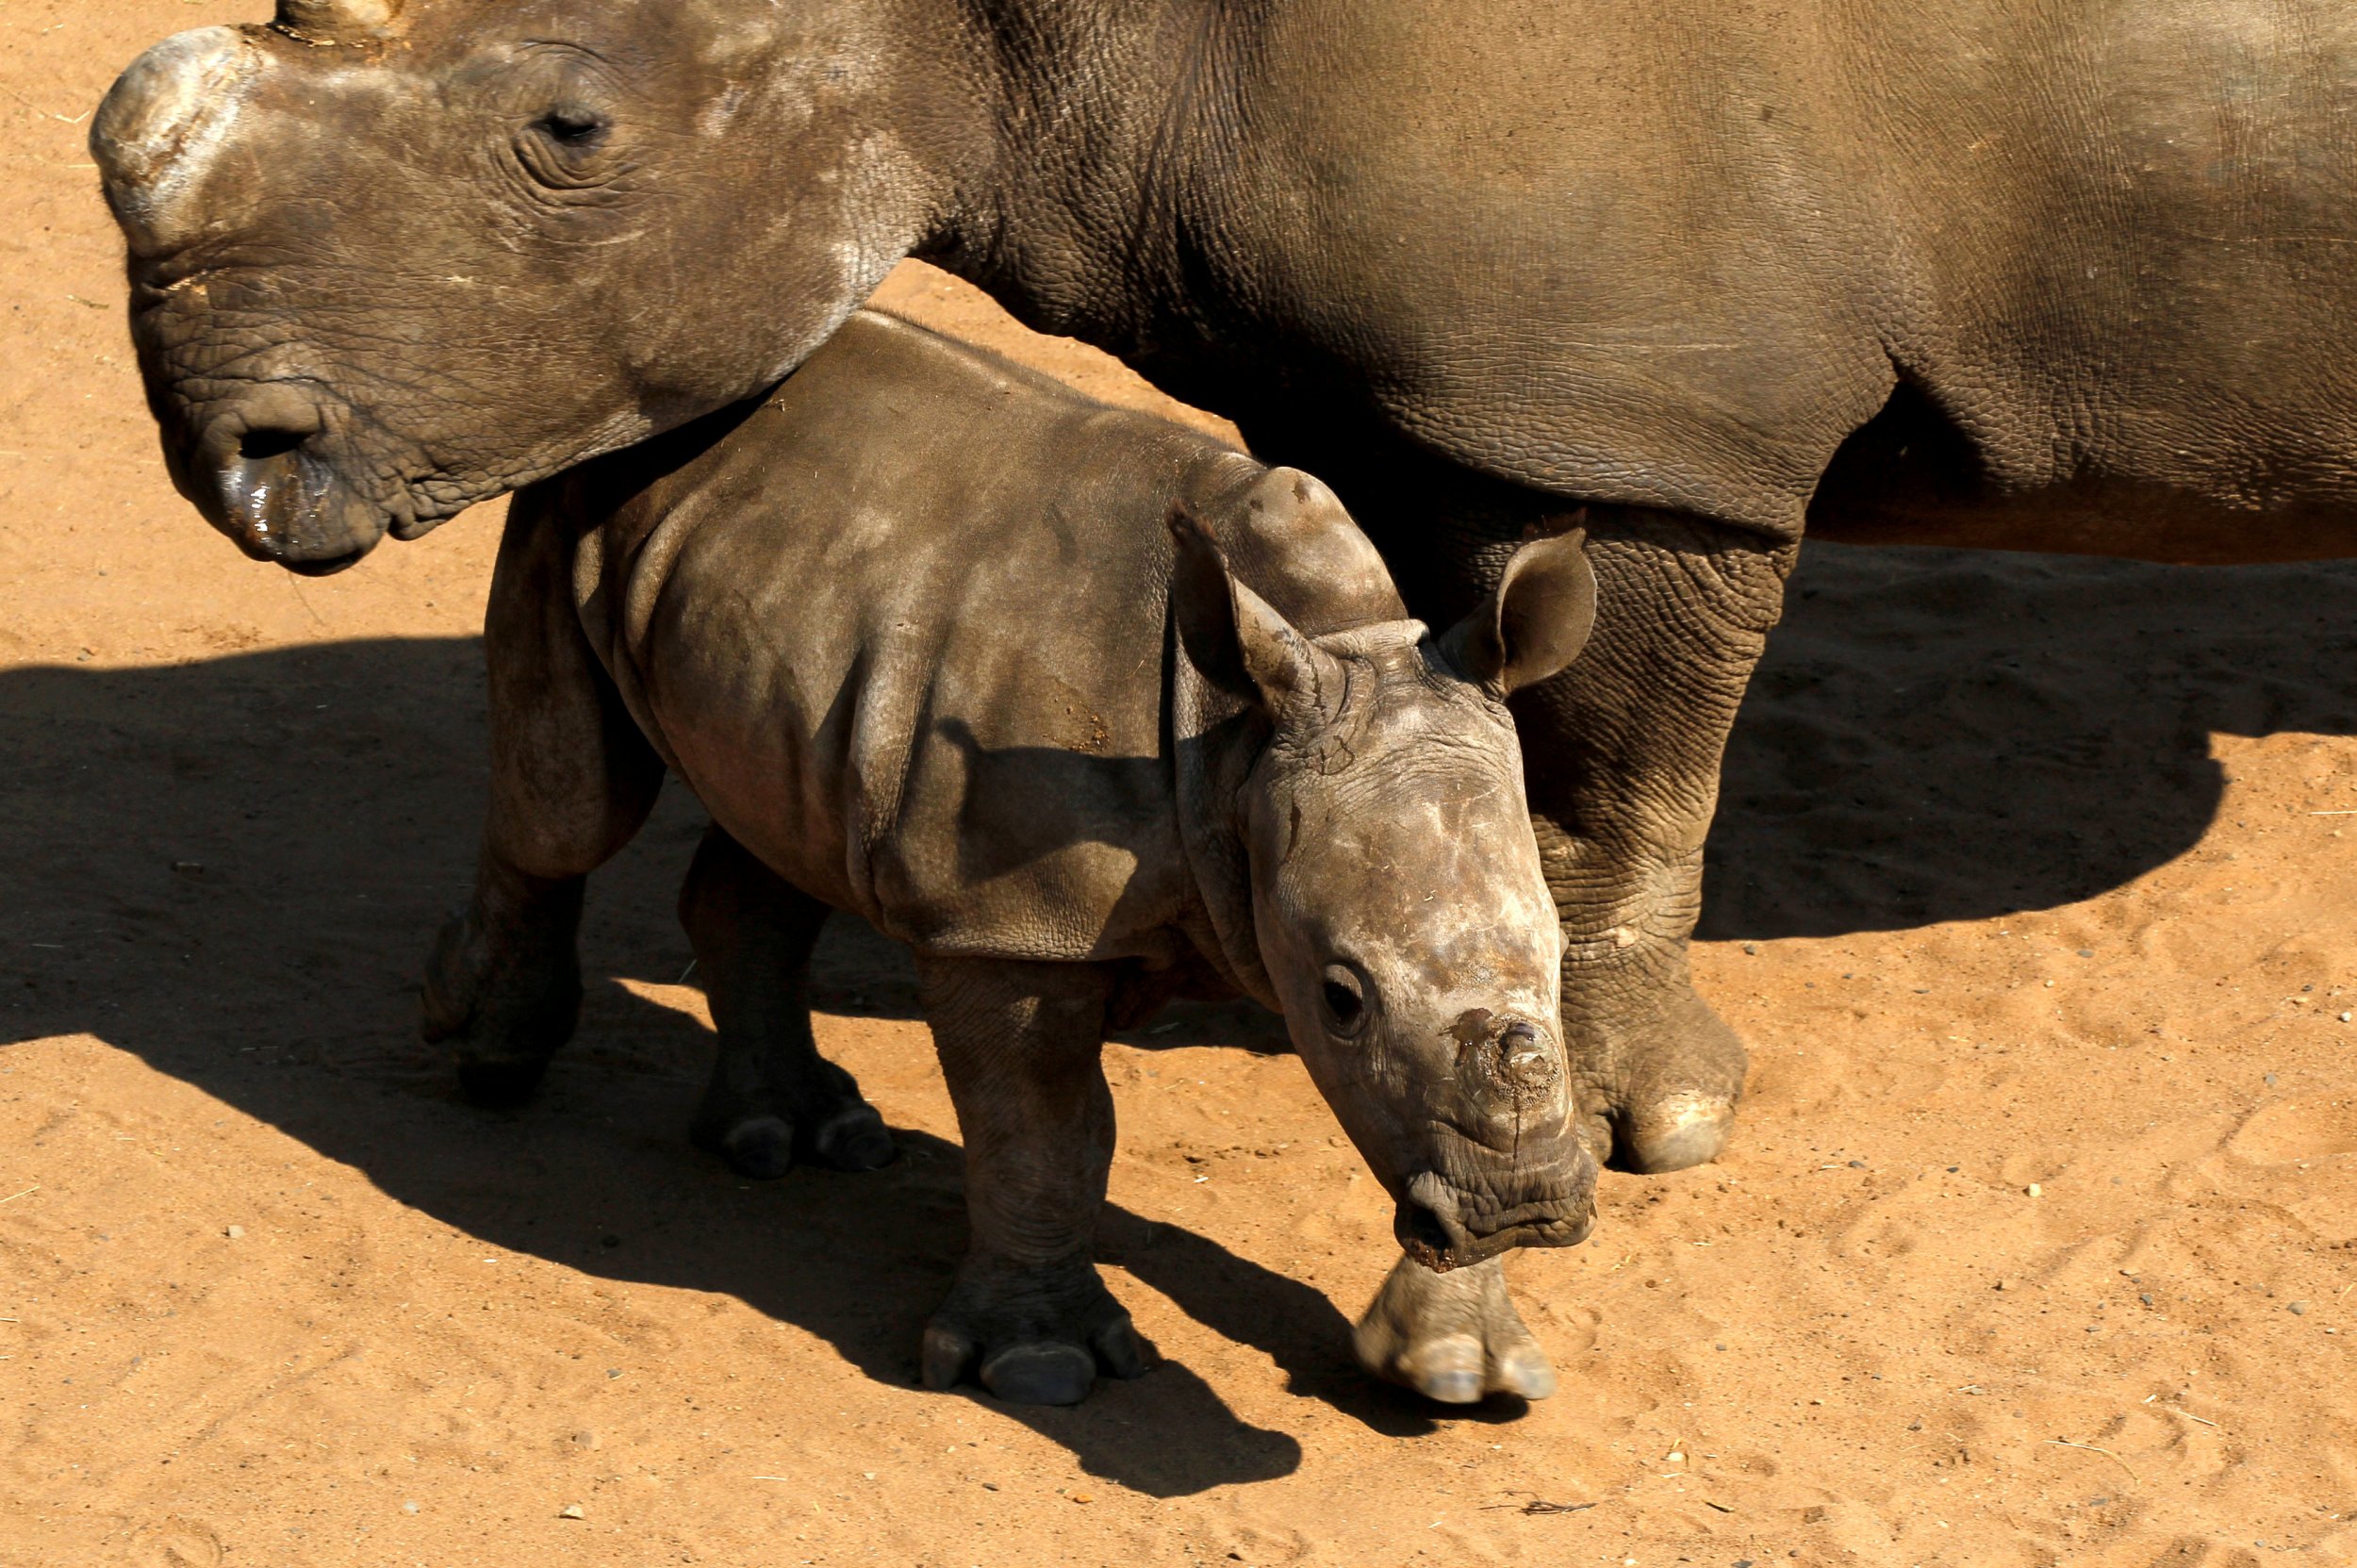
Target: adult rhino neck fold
column 1106, row 123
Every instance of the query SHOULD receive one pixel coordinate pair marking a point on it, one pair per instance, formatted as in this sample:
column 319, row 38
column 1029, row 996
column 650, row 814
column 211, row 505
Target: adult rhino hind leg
column 572, row 781
column 773, row 1099
column 1453, row 1337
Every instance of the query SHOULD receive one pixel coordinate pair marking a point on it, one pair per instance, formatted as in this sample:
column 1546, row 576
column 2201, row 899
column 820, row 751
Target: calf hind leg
column 773, row 1099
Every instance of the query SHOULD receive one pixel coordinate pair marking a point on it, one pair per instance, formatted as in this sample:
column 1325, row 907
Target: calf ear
column 1233, row 636
column 1289, row 536
column 1534, row 623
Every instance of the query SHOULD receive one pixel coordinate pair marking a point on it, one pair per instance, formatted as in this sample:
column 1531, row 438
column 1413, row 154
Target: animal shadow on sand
column 1948, row 734
column 232, row 868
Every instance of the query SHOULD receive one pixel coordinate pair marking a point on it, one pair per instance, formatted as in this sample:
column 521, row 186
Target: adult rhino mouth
column 260, row 470
column 1442, row 1227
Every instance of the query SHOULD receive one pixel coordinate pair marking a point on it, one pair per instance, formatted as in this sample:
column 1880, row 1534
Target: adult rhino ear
column 1238, row 642
column 1534, row 623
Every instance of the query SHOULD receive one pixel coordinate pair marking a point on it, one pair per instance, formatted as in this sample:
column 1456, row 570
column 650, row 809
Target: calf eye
column 1346, row 999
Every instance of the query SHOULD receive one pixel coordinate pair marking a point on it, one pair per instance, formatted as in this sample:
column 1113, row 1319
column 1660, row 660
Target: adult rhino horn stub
column 336, row 21
column 160, row 123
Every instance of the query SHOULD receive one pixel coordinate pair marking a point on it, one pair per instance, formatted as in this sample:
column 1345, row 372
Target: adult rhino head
column 393, row 258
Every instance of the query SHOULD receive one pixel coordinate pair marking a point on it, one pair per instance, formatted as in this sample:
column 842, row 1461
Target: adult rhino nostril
column 259, row 446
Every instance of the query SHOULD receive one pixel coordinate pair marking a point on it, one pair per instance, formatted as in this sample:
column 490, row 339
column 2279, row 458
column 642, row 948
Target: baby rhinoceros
column 1090, row 711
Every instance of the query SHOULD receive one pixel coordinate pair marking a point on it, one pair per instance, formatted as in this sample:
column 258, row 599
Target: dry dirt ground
column 2032, row 888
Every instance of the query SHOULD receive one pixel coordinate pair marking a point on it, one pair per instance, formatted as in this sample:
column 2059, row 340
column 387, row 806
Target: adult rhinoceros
column 2071, row 274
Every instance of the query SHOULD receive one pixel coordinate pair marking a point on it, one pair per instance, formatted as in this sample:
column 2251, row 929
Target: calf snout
column 256, row 472
column 1444, row 1223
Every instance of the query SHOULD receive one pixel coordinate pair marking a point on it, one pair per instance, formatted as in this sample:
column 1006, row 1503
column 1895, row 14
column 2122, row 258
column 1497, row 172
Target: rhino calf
column 1088, row 710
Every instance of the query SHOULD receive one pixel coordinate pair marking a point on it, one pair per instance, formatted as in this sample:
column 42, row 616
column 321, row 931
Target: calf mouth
column 1437, row 1227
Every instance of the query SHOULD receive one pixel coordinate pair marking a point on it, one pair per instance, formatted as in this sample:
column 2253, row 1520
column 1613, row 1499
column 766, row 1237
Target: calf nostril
column 260, row 445
column 1524, row 1069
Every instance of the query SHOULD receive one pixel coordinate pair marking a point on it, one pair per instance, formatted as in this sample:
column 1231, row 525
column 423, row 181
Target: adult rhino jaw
column 154, row 135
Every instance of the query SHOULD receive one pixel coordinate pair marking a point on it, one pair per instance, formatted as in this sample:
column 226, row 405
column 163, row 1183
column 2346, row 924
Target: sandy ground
column 2038, row 1244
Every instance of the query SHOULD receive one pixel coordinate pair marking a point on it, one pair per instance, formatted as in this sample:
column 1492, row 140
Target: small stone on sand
column 2297, row 1309
column 571, row 1511
column 235, row 1233
column 2034, row 1190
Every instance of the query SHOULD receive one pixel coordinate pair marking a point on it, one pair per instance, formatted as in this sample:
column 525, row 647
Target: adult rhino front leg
column 1621, row 755
column 572, row 781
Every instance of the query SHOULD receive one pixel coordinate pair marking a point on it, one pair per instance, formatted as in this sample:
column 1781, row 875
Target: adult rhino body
column 2070, row 274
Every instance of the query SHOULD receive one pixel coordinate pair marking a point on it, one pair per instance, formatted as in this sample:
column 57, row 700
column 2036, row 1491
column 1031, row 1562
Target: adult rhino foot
column 503, row 1005
column 1452, row 1337
column 1663, row 1096
column 764, row 1136
column 1032, row 1338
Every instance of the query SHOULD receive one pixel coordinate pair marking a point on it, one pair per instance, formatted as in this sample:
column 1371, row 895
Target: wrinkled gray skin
column 2076, row 274
column 915, row 631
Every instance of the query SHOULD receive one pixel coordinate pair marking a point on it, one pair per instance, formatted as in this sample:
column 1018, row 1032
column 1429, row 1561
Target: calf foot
column 1032, row 1337
column 1452, row 1337
column 505, row 999
column 823, row 1122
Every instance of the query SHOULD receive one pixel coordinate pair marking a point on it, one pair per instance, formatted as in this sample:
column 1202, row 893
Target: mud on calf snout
column 256, row 472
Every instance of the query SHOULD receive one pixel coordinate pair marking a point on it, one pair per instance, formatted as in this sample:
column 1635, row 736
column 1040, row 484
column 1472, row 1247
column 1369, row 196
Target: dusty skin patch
column 275, row 1299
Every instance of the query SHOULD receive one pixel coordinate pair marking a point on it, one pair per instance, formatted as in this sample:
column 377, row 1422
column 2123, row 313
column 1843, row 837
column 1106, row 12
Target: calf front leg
column 572, row 781
column 773, row 1098
column 1452, row 1337
column 1019, row 1046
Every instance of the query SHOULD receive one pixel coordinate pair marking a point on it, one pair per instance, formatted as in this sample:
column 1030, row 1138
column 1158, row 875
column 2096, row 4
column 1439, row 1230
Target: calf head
column 1397, row 903
column 390, row 257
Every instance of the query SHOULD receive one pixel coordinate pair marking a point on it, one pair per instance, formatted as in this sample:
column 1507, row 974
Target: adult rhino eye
column 570, row 125
column 1346, row 999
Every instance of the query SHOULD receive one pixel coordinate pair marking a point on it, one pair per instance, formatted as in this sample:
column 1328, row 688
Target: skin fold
column 915, row 630
column 2066, row 275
